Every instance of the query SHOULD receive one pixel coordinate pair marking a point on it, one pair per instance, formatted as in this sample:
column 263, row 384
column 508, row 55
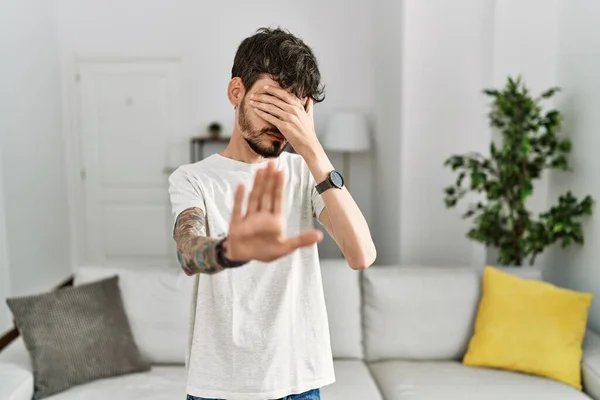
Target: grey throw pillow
column 76, row 335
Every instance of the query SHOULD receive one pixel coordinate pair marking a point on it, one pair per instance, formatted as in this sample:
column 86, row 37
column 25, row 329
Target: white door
column 129, row 115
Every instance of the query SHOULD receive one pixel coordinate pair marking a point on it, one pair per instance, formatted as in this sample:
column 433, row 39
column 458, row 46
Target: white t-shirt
column 259, row 331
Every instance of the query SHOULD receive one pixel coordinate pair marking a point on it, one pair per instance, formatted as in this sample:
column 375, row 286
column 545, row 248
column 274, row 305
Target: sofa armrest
column 17, row 382
column 591, row 364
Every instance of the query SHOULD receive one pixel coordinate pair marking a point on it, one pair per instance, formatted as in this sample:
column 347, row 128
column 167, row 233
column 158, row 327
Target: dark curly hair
column 283, row 56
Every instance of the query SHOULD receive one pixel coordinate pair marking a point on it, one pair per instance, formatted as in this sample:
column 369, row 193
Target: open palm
column 260, row 233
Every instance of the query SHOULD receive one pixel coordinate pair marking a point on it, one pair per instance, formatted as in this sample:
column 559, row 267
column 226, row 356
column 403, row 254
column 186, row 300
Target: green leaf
column 549, row 93
column 525, row 193
column 460, row 178
column 492, row 92
column 525, row 145
column 558, row 228
column 564, row 145
column 450, row 202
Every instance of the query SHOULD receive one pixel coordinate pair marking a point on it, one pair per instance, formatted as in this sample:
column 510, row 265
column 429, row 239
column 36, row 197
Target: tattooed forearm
column 195, row 251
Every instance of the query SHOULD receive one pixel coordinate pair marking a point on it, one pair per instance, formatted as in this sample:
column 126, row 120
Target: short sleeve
column 183, row 193
column 317, row 201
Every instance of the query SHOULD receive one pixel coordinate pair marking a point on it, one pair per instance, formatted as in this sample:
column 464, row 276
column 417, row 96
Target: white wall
column 387, row 60
column 446, row 63
column 205, row 35
column 32, row 148
column 5, row 315
column 578, row 66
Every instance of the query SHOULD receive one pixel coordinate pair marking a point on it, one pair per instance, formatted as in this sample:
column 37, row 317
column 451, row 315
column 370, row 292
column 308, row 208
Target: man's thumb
column 305, row 239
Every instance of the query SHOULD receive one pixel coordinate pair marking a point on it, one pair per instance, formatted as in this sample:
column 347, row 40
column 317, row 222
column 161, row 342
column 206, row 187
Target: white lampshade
column 347, row 132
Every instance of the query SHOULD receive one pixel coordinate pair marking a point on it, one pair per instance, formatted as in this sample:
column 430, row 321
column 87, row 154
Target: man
column 259, row 326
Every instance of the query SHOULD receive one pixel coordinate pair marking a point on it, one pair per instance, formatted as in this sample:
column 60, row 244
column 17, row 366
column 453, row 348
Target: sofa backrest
column 157, row 304
column 419, row 313
column 342, row 290
column 157, row 301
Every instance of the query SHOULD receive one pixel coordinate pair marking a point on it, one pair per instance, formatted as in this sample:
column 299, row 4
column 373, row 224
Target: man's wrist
column 318, row 163
column 222, row 257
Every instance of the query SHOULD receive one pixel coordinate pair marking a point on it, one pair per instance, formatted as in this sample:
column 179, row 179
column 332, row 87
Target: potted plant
column 214, row 130
column 503, row 181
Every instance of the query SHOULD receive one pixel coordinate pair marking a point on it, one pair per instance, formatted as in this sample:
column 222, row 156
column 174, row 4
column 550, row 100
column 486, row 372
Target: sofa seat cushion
column 450, row 380
column 16, row 383
column 353, row 381
column 160, row 383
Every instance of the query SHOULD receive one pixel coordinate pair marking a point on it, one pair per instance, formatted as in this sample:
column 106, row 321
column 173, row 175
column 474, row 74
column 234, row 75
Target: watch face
column 336, row 179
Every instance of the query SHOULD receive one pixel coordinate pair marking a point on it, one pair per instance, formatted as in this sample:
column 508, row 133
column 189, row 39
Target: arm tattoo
column 195, row 251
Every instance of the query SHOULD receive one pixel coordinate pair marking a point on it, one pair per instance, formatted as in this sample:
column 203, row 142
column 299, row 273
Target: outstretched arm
column 195, row 251
column 256, row 235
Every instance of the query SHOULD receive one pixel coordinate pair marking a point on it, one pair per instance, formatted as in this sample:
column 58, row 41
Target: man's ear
column 235, row 91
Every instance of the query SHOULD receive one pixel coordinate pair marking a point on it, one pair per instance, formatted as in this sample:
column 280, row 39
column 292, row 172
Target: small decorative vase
column 214, row 133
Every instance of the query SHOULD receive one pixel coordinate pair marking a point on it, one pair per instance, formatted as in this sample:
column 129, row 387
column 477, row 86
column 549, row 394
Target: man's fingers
column 236, row 213
column 309, row 108
column 269, row 118
column 257, row 189
column 305, row 239
column 266, row 98
column 271, row 109
column 278, row 193
column 283, row 95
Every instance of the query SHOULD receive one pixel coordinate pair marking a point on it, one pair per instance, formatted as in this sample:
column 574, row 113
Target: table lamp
column 347, row 132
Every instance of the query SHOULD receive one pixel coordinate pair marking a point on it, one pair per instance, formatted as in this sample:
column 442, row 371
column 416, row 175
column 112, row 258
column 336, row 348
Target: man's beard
column 262, row 147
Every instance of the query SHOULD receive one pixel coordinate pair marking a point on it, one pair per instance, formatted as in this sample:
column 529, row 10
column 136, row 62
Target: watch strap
column 323, row 186
column 224, row 261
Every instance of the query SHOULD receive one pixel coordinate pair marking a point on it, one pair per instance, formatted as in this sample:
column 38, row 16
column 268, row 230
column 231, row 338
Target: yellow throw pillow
column 529, row 326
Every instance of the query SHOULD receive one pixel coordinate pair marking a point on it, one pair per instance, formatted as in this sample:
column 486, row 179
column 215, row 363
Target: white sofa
column 397, row 333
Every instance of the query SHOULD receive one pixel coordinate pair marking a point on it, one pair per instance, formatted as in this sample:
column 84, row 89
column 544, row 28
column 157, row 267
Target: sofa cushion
column 530, row 326
column 341, row 285
column 423, row 313
column 76, row 335
column 15, row 358
column 450, row 380
column 157, row 302
column 353, row 381
column 161, row 383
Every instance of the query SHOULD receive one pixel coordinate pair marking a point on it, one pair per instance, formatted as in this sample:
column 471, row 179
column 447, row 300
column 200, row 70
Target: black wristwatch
column 224, row 261
column 334, row 180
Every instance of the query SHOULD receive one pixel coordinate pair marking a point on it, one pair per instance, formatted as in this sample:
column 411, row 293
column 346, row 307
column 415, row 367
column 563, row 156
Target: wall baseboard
column 8, row 337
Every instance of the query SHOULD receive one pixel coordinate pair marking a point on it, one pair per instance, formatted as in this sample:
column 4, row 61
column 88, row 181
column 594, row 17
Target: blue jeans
column 314, row 394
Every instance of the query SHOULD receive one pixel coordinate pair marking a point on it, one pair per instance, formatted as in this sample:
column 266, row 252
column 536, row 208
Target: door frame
column 72, row 135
